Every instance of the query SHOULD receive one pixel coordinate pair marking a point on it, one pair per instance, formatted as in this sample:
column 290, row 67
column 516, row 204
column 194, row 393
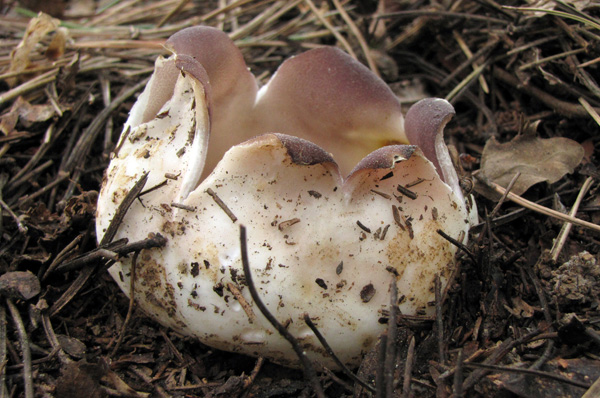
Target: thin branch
column 390, row 348
column 25, row 349
column 331, row 353
column 115, row 223
column 529, row 372
column 119, row 248
column 561, row 239
column 563, row 107
column 20, row 226
column 131, row 304
column 309, row 370
column 535, row 207
column 380, row 376
column 458, row 375
column 333, row 31
column 439, row 322
column 408, row 366
column 222, row 204
column 361, row 40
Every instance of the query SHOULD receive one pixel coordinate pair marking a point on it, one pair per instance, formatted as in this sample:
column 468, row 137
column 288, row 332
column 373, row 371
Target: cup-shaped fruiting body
column 322, row 239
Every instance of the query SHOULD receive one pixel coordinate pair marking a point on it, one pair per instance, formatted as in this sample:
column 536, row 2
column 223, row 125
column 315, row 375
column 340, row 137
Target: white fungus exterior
column 317, row 243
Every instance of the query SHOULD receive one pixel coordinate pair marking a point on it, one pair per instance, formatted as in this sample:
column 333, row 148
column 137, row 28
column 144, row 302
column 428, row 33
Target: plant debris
column 69, row 77
column 536, row 159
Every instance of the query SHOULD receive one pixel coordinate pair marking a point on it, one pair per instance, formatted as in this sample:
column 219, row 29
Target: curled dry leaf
column 25, row 113
column 537, row 160
column 36, row 30
column 57, row 46
column 520, row 308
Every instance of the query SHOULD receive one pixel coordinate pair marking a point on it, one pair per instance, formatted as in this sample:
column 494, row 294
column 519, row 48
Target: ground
column 521, row 316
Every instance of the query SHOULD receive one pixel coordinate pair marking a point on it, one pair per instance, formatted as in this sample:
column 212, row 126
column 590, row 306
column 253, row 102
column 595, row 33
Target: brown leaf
column 8, row 122
column 37, row 28
column 71, row 345
column 57, row 46
column 80, row 208
column 80, row 379
column 537, row 159
column 520, row 308
column 19, row 285
column 29, row 114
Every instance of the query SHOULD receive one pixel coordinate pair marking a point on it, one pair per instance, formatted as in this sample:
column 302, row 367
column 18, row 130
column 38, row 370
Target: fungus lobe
column 298, row 176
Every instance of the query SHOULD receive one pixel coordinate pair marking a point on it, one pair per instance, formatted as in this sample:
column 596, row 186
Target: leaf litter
column 68, row 80
column 536, row 159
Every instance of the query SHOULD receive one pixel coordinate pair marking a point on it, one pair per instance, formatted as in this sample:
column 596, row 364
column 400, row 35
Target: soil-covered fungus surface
column 519, row 314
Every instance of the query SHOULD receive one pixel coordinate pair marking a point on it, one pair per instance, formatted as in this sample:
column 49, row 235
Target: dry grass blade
column 530, row 372
column 561, row 239
column 361, row 40
column 28, row 86
column 590, row 109
column 593, row 391
column 333, row 31
column 586, row 20
column 538, row 208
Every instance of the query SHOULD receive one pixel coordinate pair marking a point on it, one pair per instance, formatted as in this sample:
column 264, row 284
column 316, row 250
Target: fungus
column 332, row 211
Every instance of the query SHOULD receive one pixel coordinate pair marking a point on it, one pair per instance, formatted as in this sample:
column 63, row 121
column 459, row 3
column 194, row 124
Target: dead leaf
column 80, row 208
column 56, row 48
column 588, row 150
column 8, row 122
column 537, row 160
column 80, row 379
column 19, row 285
column 26, row 113
column 37, row 28
column 71, row 345
column 520, row 308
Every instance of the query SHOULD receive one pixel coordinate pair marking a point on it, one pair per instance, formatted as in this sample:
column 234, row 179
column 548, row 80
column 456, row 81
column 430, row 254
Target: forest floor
column 521, row 318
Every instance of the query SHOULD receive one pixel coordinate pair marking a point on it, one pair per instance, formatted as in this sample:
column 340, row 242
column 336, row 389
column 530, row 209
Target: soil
column 520, row 318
